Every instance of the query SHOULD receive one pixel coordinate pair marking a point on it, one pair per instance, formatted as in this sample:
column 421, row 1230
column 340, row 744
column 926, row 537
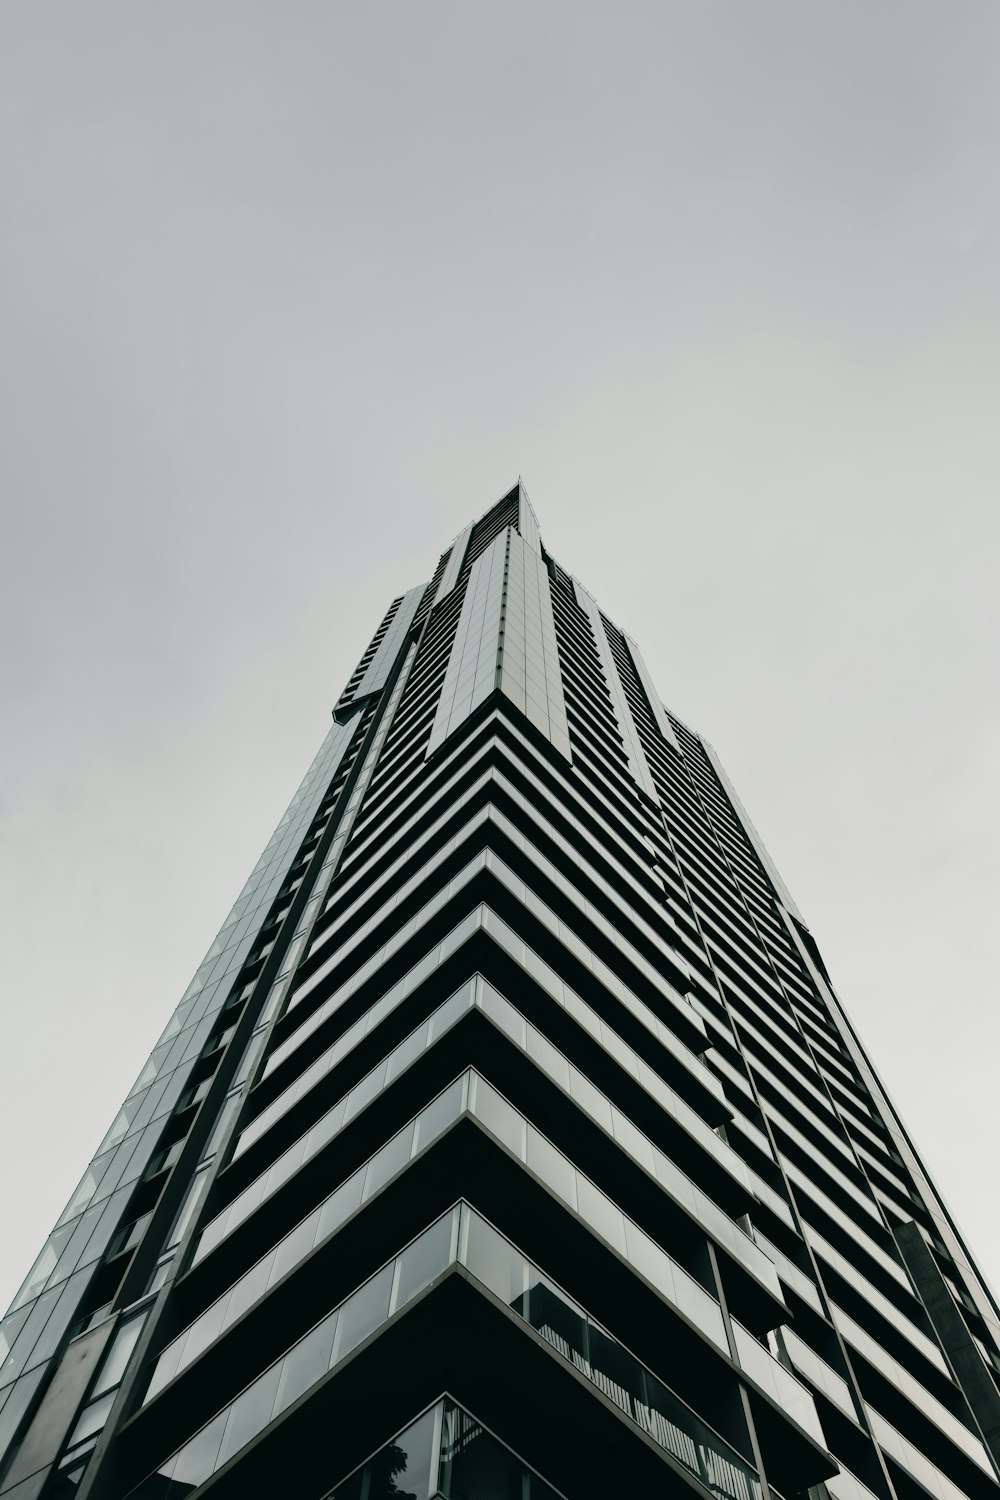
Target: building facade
column 510, row 1140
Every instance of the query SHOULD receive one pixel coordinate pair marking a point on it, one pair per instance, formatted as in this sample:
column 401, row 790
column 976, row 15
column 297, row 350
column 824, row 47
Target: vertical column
column 638, row 765
column 381, row 664
column 527, row 521
column 530, row 674
column 453, row 567
column 471, row 675
column 659, row 713
column 506, row 639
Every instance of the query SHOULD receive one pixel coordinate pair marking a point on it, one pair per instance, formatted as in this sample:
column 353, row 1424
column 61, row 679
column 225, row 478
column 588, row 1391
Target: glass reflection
column 606, row 1363
column 461, row 1235
column 476, row 1465
column 402, row 1470
column 332, row 1340
column 317, row 1226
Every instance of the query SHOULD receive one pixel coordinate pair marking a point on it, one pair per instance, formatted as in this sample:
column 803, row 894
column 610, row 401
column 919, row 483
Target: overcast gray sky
column 289, row 292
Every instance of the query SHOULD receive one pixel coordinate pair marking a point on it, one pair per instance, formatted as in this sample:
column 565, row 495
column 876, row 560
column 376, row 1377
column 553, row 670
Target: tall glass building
column 510, row 1140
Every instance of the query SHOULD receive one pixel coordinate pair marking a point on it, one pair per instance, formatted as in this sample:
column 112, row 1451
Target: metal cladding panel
column 384, row 659
column 527, row 521
column 733, row 1119
column 453, row 567
column 638, row 765
column 652, row 698
column 471, row 675
column 508, row 589
column 42, row 1441
column 530, row 674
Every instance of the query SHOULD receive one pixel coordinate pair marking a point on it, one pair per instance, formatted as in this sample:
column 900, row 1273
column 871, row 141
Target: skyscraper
column 510, row 1140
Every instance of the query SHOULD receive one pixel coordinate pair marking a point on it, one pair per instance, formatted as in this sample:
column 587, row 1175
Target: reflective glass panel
column 306, row 1363
column 476, row 1466
column 426, row 1258
column 362, row 1312
column 401, row 1469
column 494, row 1261
column 249, row 1413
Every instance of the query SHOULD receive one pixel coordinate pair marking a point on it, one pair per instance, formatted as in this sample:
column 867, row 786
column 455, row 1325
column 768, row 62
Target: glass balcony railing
column 845, row 1486
column 330, row 1124
column 912, row 1460
column 319, row 1225
column 478, row 992
column 463, row 1237
column 469, row 1092
column 606, row 1363
column 785, row 1389
column 444, row 1455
